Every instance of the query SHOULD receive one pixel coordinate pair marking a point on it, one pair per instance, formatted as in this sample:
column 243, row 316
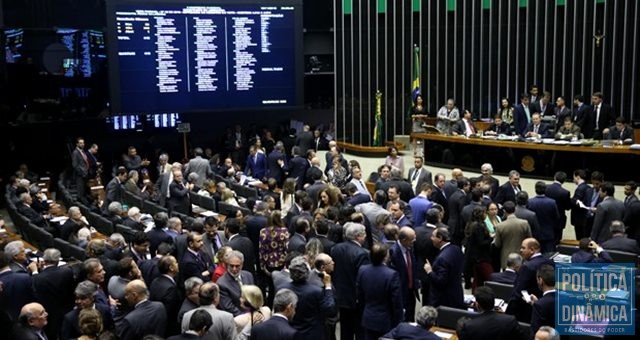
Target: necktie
column 526, row 111
column 239, row 279
column 597, row 117
column 535, row 129
column 407, row 257
column 415, row 175
column 84, row 157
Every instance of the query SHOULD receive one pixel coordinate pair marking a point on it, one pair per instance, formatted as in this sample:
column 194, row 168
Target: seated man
column 464, row 126
column 489, row 324
column 568, row 130
column 590, row 252
column 498, row 127
column 508, row 276
column 537, row 129
column 425, row 319
column 619, row 132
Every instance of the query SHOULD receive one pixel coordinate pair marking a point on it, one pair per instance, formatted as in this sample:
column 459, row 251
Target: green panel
column 451, row 5
column 561, row 2
column 347, row 7
column 416, row 5
column 523, row 3
column 382, row 6
column 486, row 4
column 600, row 1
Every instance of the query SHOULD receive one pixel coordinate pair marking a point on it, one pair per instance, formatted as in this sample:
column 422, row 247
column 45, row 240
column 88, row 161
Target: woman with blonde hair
column 287, row 198
column 252, row 301
column 227, row 197
column 90, row 322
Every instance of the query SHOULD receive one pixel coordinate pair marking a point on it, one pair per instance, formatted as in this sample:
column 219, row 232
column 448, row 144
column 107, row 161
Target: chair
column 103, row 225
column 131, row 200
column 448, row 317
column 502, row 290
column 526, row 328
column 76, row 252
column 186, row 220
column 623, row 257
column 566, row 249
column 152, row 208
column 244, row 191
column 126, row 232
column 61, row 245
column 230, row 210
column 207, row 203
column 40, row 237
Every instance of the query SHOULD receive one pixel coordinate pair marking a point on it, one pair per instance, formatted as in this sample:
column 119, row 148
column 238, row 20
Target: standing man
column 421, row 204
column 544, row 312
column 199, row 166
column 231, row 283
column 583, row 195
column 179, row 194
column 522, row 115
column 278, row 327
column 548, row 218
column 195, row 262
column 418, row 175
column 356, row 179
column 114, row 189
column 487, row 176
column 510, row 233
column 508, row 191
column 604, row 115
column 630, row 193
column 445, row 274
column 403, row 260
column 276, row 162
column 305, row 140
column 147, row 317
column 583, row 116
column 80, row 164
column 609, row 210
column 543, row 106
column 256, row 165
column 562, row 197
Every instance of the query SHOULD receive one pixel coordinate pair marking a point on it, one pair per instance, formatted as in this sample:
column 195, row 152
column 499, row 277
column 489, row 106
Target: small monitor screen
column 125, row 122
column 164, row 120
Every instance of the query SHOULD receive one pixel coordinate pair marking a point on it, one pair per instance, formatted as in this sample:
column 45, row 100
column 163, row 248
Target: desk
column 445, row 330
column 9, row 236
column 531, row 158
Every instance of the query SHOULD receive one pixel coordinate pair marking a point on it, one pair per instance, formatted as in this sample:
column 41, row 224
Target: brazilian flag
column 377, row 129
column 415, row 84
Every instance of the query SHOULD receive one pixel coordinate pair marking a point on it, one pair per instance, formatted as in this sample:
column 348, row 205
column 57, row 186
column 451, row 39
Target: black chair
column 230, row 210
column 131, row 200
column 76, row 252
column 566, row 249
column 62, row 246
column 126, row 232
column 102, row 225
column 203, row 202
column 448, row 317
column 152, row 208
column 623, row 257
column 526, row 328
column 502, row 290
column 40, row 237
column 244, row 191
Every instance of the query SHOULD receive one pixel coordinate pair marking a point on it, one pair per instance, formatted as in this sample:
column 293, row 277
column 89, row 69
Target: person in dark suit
column 315, row 304
column 438, row 195
column 526, row 279
column 508, row 191
column 24, row 208
column 426, row 318
column 403, row 260
column 508, row 276
column 319, row 142
column 537, row 128
column 240, row 243
column 213, row 239
column 298, row 240
column 255, row 222
column 349, row 256
column 157, row 235
column 522, row 115
column 200, row 322
column 85, row 299
column 379, row 293
column 80, row 165
column 424, row 249
column 17, row 288
column 356, row 197
column 256, row 165
column 163, row 183
column 457, row 201
column 278, row 327
column 54, row 290
column 498, row 127
column 276, row 162
column 31, row 322
column 179, row 195
column 464, row 127
column 304, row 140
column 590, row 252
column 583, row 116
column 543, row 106
column 561, row 112
column 548, row 217
column 298, row 167
column 231, row 281
column 619, row 240
column 544, row 312
column 562, row 197
column 147, row 317
column 489, row 324
column 603, row 115
column 445, row 274
column 195, row 262
column 609, row 210
column 620, row 132
column 164, row 289
column 114, row 189
column 317, row 186
column 418, row 175
column 582, row 194
column 487, row 176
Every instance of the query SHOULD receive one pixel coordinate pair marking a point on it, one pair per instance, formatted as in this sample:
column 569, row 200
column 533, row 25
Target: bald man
column 403, row 260
column 451, row 185
column 31, row 322
column 147, row 317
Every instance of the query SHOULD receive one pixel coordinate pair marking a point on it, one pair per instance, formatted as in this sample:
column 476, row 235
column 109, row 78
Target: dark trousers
column 351, row 324
column 410, row 306
column 81, row 189
column 372, row 335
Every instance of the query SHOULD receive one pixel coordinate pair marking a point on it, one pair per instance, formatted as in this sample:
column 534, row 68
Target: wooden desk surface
column 445, row 330
column 619, row 149
column 9, row 236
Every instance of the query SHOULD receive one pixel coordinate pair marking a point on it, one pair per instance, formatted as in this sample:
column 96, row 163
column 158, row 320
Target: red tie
column 409, row 271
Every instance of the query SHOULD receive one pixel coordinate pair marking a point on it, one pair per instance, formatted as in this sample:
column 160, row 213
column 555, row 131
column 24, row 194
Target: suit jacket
column 380, row 295
column 149, row 269
column 446, row 287
column 192, row 265
column 54, row 289
column 201, row 167
column 274, row 328
column 543, row 130
column 275, row 170
column 179, row 198
column 397, row 261
column 507, row 277
column 530, row 216
column 253, row 224
column 560, row 116
column 148, row 317
column 315, row 304
column 80, row 167
column 584, row 117
column 34, row 217
column 424, row 250
column 526, row 280
column 133, row 224
column 165, row 290
column 609, row 210
column 537, row 107
column 348, row 257
column 632, row 220
column 305, row 141
column 502, row 129
column 491, row 325
column 113, row 192
column 358, row 198
column 157, row 236
column 562, row 197
column 17, row 292
column 621, row 243
column 626, row 133
column 520, row 120
column 23, row 332
column 509, row 236
column 438, row 196
column 132, row 187
column 543, row 313
column 606, row 119
column 257, row 167
column 406, row 191
column 297, row 169
column 584, row 256
column 457, row 202
column 424, row 177
column 230, row 291
column 70, row 325
column 409, row 331
column 548, row 217
column 314, row 190
column 506, row 193
column 579, row 215
column 207, row 244
column 244, row 245
column 319, row 143
column 461, row 128
column 223, row 326
column 297, row 243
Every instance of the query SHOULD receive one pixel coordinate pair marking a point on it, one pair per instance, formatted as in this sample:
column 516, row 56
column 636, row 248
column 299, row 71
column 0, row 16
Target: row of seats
column 617, row 256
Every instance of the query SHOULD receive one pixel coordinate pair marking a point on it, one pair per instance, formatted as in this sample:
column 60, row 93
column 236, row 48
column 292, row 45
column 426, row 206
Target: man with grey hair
column 31, row 322
column 174, row 227
column 509, row 190
column 163, row 164
column 114, row 211
column 487, row 176
column 84, row 299
column 223, row 325
column 131, row 185
column 17, row 288
column 191, row 301
column 17, row 257
column 163, row 182
column 75, row 222
column 619, row 240
column 54, row 289
column 547, row 333
column 278, row 327
column 349, row 256
column 147, row 317
column 231, row 283
column 133, row 219
column 425, row 319
column 24, row 208
column 315, row 303
column 199, row 166
column 508, row 276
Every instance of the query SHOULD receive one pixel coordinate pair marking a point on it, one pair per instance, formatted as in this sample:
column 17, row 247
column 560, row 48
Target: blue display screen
column 189, row 57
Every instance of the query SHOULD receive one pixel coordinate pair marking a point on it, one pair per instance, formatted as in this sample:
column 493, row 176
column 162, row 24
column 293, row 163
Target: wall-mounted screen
column 197, row 55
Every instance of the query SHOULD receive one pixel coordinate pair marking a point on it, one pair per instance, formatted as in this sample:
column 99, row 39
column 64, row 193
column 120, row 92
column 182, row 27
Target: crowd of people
column 316, row 248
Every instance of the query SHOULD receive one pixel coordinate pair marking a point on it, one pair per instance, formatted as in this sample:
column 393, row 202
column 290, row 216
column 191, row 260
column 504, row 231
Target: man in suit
column 630, row 193
column 445, row 275
column 199, row 166
column 213, row 239
column 147, row 317
column 17, row 257
column 544, row 313
column 424, row 249
column 199, row 324
column 526, row 279
column 522, row 115
column 349, row 256
column 305, row 140
column 603, row 115
column 421, row 204
column 418, row 175
column 522, row 212
column 355, row 197
column 619, row 240
column 356, row 179
column 157, row 235
column 195, row 262
column 319, row 142
column 438, row 194
column 297, row 167
column 380, row 295
column 278, row 327
column 489, row 324
column 80, row 164
column 276, row 162
column 114, row 189
column 583, row 116
column 256, row 165
column 164, row 181
column 179, row 194
column 298, row 240
column 508, row 276
column 425, row 319
column 487, row 176
column 133, row 219
column 609, row 210
column 396, row 208
column 403, row 260
column 508, row 191
column 223, row 326
column 582, row 194
column 85, row 299
column 537, row 129
column 54, row 290
column 457, row 202
column 562, row 197
column 548, row 217
column 620, row 132
column 31, row 323
column 317, row 185
column 17, row 288
column 231, row 282
column 24, row 208
column 510, row 233
column 403, row 189
column 464, row 127
column 165, row 289
column 561, row 112
column 241, row 243
column 315, row 304
column 543, row 106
